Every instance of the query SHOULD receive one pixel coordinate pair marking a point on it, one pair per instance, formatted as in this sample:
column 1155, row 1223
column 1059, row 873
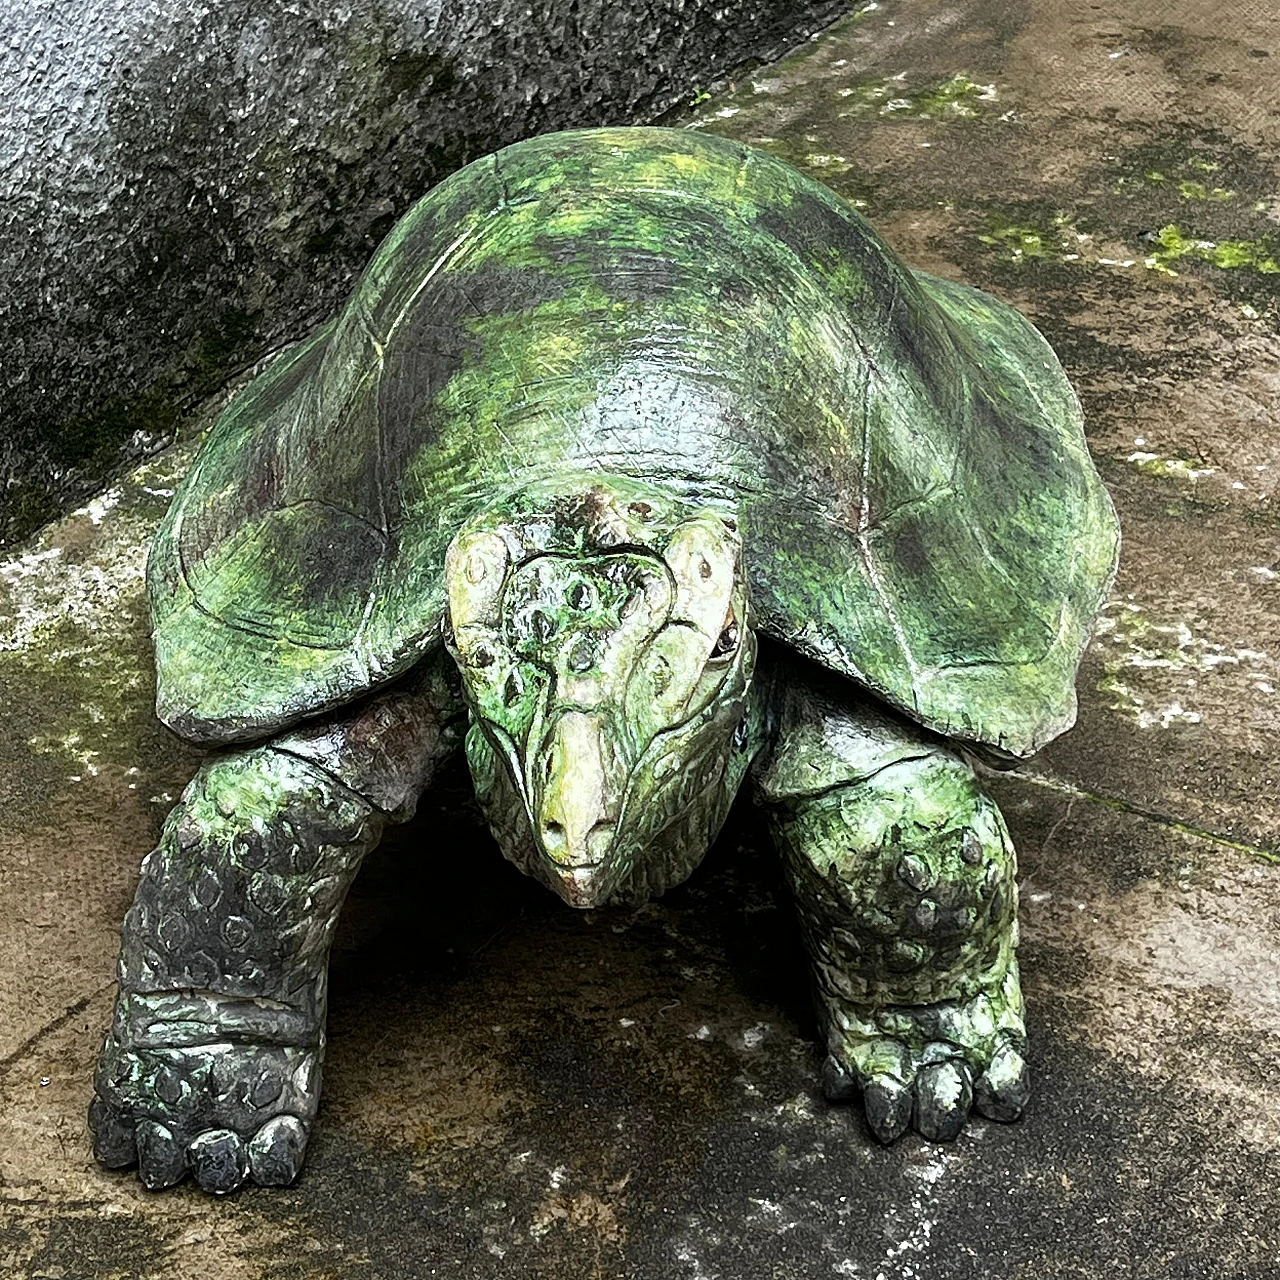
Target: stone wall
column 184, row 186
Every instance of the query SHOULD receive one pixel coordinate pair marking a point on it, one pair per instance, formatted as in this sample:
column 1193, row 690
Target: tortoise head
column 604, row 638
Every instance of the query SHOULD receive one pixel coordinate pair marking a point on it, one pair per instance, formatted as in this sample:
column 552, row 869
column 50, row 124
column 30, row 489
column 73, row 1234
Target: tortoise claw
column 1003, row 1089
column 276, row 1151
column 219, row 1160
column 161, row 1156
column 944, row 1094
column 888, row 1103
column 115, row 1143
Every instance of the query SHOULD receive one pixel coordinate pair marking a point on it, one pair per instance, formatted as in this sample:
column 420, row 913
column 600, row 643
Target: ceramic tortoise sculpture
column 637, row 467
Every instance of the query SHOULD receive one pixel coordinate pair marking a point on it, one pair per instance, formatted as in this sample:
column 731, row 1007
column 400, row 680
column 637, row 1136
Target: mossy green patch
column 1034, row 234
column 1152, row 670
column 1187, row 188
column 1176, row 468
column 1224, row 189
column 959, row 97
column 1021, row 241
column 75, row 660
column 1261, row 255
column 1190, row 189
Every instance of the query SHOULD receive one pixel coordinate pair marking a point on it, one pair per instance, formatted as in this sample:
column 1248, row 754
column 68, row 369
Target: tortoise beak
column 577, row 785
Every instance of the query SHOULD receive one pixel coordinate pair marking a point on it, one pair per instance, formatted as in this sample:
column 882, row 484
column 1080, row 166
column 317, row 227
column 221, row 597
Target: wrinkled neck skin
column 604, row 636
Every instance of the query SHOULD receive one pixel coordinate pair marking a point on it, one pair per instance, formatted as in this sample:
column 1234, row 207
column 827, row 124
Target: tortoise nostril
column 600, row 837
column 553, row 836
column 581, row 655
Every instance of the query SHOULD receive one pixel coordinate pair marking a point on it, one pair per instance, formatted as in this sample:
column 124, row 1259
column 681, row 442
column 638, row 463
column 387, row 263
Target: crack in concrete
column 16, row 1056
column 1063, row 787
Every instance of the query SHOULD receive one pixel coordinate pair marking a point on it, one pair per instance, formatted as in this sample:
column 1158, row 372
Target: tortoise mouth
column 584, row 887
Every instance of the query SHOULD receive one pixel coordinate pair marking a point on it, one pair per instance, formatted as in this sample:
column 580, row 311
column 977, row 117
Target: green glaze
column 606, row 650
column 631, row 448
column 904, row 455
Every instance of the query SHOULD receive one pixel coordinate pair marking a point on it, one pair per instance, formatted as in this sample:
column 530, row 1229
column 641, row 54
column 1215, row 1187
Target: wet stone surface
column 515, row 1089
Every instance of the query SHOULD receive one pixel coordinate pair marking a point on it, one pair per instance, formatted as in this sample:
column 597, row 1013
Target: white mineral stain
column 99, row 506
column 43, row 589
column 70, row 605
column 900, row 1259
column 798, row 1108
column 772, row 1214
column 1131, row 642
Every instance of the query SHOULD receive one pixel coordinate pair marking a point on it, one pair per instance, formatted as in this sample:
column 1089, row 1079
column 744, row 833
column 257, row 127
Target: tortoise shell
column 904, row 454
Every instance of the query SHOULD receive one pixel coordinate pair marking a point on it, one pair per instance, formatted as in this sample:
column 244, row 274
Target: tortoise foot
column 925, row 1067
column 225, row 1113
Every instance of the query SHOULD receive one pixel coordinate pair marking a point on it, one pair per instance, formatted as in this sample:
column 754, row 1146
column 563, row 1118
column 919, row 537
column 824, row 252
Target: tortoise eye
column 727, row 642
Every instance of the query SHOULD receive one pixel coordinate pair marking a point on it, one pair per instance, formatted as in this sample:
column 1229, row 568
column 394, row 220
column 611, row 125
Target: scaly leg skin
column 213, row 1062
column 904, row 875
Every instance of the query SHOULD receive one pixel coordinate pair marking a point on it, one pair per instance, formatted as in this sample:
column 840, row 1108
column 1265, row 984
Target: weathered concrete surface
column 515, row 1090
column 183, row 186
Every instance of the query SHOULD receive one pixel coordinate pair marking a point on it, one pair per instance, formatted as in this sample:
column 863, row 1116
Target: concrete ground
column 517, row 1090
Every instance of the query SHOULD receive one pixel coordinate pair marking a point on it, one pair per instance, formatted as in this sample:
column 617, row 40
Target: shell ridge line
column 363, row 317
column 980, row 533
column 864, row 546
column 175, row 537
column 443, row 261
column 954, row 485
column 500, row 179
column 334, row 506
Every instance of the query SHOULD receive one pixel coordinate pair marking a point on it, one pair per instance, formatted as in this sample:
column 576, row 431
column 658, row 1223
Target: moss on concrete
column 957, row 97
column 74, row 645
column 1173, row 244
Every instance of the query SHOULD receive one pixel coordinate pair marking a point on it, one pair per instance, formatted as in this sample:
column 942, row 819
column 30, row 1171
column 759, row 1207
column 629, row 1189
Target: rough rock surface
column 183, row 186
column 517, row 1090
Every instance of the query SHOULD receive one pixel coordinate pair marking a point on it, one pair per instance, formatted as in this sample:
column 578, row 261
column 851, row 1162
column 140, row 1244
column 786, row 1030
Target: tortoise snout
column 560, row 847
column 578, row 792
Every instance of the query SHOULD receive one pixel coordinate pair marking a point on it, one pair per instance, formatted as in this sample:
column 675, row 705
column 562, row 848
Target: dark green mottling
column 904, row 453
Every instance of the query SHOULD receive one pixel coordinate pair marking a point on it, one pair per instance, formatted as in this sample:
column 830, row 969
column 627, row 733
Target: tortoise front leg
column 213, row 1061
column 903, row 873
